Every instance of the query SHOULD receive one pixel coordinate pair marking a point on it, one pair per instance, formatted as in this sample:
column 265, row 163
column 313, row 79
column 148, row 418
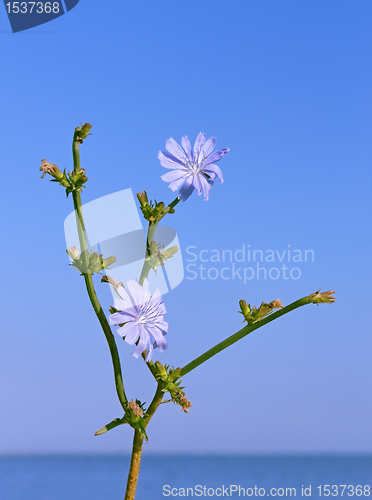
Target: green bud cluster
column 77, row 181
column 89, row 263
column 254, row 314
column 152, row 210
column 170, row 379
column 134, row 416
column 158, row 255
column 72, row 181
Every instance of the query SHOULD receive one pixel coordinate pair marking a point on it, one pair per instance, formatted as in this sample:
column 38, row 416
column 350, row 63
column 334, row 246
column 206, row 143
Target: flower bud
column 159, row 207
column 85, row 129
column 162, row 371
column 89, row 263
column 78, row 260
column 175, row 373
column 153, row 247
column 54, row 171
column 167, row 254
column 142, row 198
column 245, row 310
column 82, row 132
column 254, row 314
column 151, row 210
column 324, row 297
column 108, row 261
column 73, row 252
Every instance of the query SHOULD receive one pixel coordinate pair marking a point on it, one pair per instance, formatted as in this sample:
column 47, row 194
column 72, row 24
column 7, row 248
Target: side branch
column 313, row 298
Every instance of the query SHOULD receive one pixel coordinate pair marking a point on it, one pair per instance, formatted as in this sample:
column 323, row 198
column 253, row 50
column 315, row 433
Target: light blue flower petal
column 197, row 184
column 163, row 325
column 186, row 146
column 123, row 304
column 124, row 296
column 175, row 149
column 116, row 318
column 142, row 344
column 136, row 292
column 199, row 143
column 150, row 350
column 217, row 155
column 161, row 308
column 177, row 184
column 169, row 161
column 173, row 175
column 213, row 169
column 122, row 317
column 125, row 317
column 162, row 347
column 160, row 340
column 156, row 294
column 206, row 187
column 209, row 146
column 130, row 331
column 146, row 290
column 186, row 189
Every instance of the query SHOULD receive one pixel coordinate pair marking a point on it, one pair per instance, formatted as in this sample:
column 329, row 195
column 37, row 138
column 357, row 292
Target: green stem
column 174, row 203
column 155, row 403
column 110, row 340
column 91, row 291
column 146, row 266
column 242, row 333
column 135, row 462
column 150, row 237
column 137, row 446
column 150, row 365
column 76, row 154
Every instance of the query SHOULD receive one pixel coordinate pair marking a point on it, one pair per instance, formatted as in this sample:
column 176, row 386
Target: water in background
column 104, row 477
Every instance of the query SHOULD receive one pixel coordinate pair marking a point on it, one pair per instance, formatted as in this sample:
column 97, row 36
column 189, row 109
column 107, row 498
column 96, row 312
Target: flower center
column 142, row 319
column 194, row 168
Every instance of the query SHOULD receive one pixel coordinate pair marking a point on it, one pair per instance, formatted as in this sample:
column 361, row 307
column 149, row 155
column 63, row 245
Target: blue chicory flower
column 142, row 315
column 191, row 168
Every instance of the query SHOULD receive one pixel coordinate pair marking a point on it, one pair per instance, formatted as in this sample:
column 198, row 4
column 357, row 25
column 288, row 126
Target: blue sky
column 286, row 86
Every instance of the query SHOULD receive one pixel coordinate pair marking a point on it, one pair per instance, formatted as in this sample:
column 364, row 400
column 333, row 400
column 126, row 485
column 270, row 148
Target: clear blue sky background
column 285, row 85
